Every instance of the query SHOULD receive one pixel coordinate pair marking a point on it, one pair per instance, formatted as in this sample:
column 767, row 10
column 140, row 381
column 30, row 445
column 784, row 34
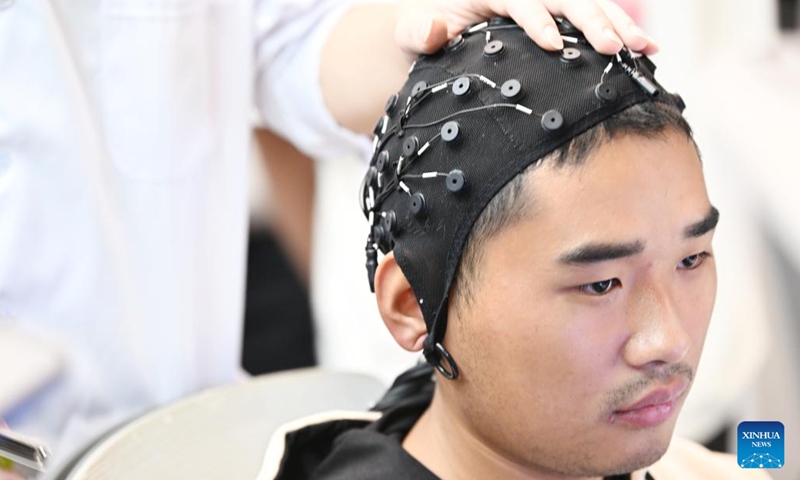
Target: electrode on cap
column 450, row 131
column 410, row 145
column 511, row 88
column 382, row 162
column 366, row 183
column 552, row 120
column 418, row 87
column 391, row 221
column 570, row 55
column 454, row 43
column 378, row 234
column 461, row 86
column 455, row 181
column 379, row 125
column 417, row 204
column 605, row 92
column 493, row 48
column 391, row 102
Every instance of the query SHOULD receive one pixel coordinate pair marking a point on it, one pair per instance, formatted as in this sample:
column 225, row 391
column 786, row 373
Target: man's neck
column 449, row 449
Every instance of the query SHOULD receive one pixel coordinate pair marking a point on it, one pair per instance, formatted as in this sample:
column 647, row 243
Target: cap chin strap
column 438, row 357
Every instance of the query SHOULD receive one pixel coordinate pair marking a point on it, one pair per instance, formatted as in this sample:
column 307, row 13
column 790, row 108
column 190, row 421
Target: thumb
column 420, row 33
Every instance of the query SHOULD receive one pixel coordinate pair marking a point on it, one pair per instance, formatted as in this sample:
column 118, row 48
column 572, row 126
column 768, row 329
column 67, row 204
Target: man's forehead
column 620, row 188
column 621, row 167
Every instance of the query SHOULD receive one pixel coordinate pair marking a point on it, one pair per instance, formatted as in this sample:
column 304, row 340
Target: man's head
column 583, row 288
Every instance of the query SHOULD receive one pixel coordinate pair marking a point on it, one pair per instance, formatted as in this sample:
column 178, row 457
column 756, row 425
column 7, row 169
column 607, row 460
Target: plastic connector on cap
column 372, row 265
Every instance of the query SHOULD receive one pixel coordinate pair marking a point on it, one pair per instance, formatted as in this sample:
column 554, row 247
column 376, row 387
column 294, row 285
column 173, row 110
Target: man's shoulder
column 304, row 443
column 341, row 445
column 687, row 460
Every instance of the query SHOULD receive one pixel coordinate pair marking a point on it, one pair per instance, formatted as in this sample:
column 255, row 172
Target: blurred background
column 737, row 65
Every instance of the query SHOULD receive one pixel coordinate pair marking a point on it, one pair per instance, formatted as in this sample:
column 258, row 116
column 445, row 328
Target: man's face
column 589, row 316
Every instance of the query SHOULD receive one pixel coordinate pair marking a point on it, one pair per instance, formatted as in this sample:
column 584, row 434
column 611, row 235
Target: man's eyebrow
column 703, row 226
column 600, row 252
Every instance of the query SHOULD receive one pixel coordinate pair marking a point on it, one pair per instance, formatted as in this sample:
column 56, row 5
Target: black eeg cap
column 469, row 119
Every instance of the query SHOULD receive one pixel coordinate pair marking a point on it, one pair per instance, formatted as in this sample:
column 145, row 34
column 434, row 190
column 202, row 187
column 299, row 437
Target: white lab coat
column 124, row 136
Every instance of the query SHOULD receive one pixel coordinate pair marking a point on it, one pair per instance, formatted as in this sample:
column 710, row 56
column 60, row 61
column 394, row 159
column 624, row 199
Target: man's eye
column 599, row 288
column 693, row 261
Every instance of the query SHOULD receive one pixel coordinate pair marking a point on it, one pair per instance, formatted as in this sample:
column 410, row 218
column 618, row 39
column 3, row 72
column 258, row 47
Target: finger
column 631, row 34
column 537, row 22
column 590, row 19
column 533, row 17
column 420, row 32
column 632, row 7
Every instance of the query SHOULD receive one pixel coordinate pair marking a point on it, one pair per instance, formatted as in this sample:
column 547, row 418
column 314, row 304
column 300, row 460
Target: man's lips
column 658, row 396
column 652, row 409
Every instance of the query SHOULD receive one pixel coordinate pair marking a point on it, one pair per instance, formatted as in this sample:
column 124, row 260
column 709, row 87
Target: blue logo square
column 760, row 445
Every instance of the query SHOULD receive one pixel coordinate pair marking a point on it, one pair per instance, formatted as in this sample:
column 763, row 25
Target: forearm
column 362, row 65
column 291, row 185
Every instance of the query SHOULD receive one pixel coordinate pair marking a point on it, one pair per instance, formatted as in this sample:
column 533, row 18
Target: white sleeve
column 289, row 38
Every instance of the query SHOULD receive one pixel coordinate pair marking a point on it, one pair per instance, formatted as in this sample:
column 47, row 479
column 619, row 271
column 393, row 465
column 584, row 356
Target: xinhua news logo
column 760, row 445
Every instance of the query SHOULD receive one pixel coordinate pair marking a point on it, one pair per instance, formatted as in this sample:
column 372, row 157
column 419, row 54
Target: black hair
column 512, row 203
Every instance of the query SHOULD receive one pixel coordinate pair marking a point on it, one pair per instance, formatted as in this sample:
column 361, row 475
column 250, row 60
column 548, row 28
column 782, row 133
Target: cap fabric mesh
column 498, row 137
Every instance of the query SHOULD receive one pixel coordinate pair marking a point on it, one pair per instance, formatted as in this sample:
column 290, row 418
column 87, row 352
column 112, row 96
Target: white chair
column 221, row 433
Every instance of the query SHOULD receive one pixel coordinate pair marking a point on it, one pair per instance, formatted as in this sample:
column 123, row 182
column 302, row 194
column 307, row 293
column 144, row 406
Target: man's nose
column 658, row 335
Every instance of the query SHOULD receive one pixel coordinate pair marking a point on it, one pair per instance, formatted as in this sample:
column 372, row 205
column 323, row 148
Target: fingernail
column 613, row 37
column 638, row 32
column 424, row 32
column 552, row 36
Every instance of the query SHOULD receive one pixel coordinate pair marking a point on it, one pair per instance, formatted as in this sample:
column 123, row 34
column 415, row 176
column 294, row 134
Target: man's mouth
column 653, row 409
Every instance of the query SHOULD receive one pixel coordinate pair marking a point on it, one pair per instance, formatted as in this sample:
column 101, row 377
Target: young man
column 547, row 238
column 124, row 129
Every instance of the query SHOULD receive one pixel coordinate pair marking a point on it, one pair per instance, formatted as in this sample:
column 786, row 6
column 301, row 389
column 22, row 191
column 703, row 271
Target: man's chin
column 644, row 456
column 634, row 450
column 624, row 457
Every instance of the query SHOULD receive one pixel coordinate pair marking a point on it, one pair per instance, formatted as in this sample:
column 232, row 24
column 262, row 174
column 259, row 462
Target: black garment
column 359, row 450
column 278, row 326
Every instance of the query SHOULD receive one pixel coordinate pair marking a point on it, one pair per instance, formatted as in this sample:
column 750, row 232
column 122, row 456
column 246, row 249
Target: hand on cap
column 423, row 26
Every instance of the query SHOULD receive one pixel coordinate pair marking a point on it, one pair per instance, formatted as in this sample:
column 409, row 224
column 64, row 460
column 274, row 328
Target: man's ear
column 398, row 305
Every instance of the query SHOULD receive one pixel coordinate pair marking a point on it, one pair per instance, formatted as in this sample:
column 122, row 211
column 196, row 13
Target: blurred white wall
column 740, row 78
column 692, row 32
